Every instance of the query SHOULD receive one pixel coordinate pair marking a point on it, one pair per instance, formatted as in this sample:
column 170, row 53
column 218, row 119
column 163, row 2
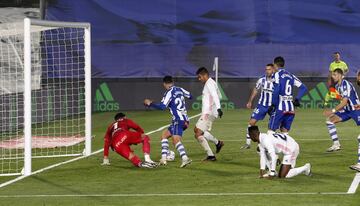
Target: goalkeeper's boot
column 210, row 158
column 334, row 147
column 152, row 163
column 355, row 167
column 146, row 165
column 219, row 145
column 185, row 162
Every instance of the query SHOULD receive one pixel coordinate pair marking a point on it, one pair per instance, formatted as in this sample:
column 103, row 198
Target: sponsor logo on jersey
column 104, row 101
column 225, row 102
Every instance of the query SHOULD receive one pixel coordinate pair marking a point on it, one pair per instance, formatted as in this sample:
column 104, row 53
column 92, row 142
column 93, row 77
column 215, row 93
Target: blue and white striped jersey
column 267, row 87
column 283, row 90
column 174, row 99
column 347, row 90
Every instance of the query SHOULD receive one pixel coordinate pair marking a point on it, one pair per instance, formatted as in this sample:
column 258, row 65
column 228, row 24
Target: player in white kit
column 278, row 143
column 211, row 109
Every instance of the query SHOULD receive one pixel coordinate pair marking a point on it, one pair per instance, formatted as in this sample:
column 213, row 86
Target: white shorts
column 290, row 159
column 205, row 125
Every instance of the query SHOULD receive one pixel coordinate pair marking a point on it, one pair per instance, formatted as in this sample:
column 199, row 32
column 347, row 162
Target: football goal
column 45, row 92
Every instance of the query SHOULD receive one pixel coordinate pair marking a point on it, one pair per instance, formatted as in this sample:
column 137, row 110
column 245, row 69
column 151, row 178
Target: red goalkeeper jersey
column 116, row 128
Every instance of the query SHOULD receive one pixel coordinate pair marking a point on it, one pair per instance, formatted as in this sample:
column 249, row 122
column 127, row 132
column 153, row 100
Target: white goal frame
column 27, row 85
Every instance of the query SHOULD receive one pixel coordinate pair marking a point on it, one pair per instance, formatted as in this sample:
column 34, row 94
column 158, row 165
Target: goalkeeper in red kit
column 122, row 133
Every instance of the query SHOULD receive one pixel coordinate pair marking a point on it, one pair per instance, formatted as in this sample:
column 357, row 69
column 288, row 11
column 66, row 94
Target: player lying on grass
column 274, row 144
column 122, row 133
column 174, row 99
column 344, row 111
column 264, row 84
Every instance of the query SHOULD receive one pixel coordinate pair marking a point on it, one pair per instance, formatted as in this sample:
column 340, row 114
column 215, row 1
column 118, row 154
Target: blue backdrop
column 137, row 38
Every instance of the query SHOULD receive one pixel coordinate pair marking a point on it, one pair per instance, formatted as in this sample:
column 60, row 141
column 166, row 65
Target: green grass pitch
column 236, row 171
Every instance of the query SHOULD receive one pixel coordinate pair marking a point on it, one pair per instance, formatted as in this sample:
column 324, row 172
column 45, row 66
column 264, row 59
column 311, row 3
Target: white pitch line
column 355, row 183
column 75, row 159
column 174, row 194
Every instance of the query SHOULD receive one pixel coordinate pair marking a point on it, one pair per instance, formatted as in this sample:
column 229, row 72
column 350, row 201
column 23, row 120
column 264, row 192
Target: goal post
column 45, row 92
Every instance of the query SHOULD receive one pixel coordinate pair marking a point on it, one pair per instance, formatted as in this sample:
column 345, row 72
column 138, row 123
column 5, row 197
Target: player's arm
column 340, row 106
column 302, row 90
column 273, row 157
column 131, row 124
column 162, row 105
column 276, row 91
column 262, row 161
column 254, row 93
column 213, row 92
column 187, row 94
column 107, row 139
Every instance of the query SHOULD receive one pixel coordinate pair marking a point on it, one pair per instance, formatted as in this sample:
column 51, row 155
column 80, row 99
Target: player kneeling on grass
column 119, row 137
column 277, row 143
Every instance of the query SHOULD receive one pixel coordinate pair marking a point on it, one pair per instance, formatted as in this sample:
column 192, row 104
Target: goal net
column 45, row 85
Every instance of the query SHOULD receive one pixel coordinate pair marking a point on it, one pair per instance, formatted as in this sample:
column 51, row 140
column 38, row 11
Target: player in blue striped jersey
column 265, row 85
column 174, row 99
column 345, row 110
column 283, row 102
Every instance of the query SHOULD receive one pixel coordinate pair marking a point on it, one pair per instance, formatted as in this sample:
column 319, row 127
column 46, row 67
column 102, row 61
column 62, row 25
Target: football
column 170, row 156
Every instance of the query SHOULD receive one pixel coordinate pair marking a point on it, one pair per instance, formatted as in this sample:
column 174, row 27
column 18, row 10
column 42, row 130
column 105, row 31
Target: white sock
column 248, row 140
column 203, row 142
column 147, row 157
column 296, row 171
column 210, row 137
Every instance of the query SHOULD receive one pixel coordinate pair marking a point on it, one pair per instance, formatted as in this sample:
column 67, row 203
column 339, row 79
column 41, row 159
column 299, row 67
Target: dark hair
column 202, row 70
column 253, row 129
column 279, row 61
column 339, row 71
column 119, row 116
column 270, row 65
column 358, row 73
column 168, row 79
column 336, row 52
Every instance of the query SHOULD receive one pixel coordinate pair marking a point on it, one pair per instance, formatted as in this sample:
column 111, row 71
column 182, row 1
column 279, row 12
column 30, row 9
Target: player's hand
column 147, row 102
column 248, row 105
column 220, row 113
column 271, row 109
column 296, row 103
column 106, row 161
column 357, row 107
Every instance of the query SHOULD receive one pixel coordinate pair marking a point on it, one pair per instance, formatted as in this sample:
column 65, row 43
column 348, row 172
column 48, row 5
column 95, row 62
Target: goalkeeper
column 119, row 137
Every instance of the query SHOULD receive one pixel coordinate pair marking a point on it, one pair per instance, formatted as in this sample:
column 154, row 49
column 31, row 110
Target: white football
column 170, row 156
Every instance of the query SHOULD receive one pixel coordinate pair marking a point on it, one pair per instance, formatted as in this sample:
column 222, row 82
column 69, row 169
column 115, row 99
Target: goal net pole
column 27, row 85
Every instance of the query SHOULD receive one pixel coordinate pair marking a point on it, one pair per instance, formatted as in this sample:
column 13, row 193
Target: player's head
column 337, row 75
column 269, row 69
column 336, row 56
column 254, row 133
column 202, row 74
column 358, row 78
column 279, row 62
column 168, row 82
column 119, row 116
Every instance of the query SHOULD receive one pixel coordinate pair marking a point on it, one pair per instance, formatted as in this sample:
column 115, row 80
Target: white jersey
column 273, row 144
column 210, row 98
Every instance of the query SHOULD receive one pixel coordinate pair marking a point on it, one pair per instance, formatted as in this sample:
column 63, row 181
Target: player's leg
column 201, row 126
column 275, row 121
column 330, row 123
column 125, row 151
column 166, row 134
column 258, row 114
column 177, row 132
column 218, row 143
column 287, row 168
column 286, row 123
column 136, row 138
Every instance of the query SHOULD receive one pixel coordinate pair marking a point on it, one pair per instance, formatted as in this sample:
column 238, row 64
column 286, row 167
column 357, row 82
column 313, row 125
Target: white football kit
column 277, row 143
column 210, row 104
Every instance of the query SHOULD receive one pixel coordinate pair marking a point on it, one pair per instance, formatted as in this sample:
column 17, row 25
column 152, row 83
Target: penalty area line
column 173, row 194
column 75, row 159
column 354, row 185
